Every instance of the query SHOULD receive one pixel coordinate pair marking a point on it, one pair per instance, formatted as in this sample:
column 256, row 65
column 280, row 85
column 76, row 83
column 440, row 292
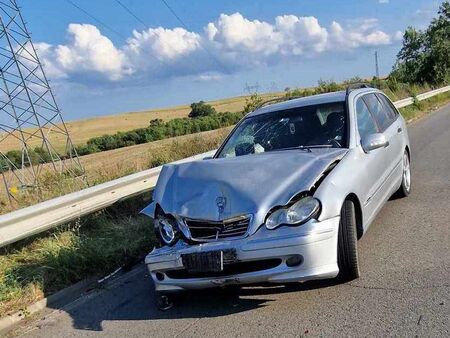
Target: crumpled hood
column 251, row 184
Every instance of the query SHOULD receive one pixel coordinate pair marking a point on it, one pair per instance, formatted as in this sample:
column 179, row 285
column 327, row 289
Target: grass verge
column 93, row 246
column 117, row 236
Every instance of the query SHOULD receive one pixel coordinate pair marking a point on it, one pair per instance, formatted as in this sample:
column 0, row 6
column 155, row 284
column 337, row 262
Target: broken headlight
column 166, row 227
column 298, row 213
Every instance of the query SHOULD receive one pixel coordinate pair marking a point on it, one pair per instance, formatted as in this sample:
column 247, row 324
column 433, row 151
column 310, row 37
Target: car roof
column 338, row 96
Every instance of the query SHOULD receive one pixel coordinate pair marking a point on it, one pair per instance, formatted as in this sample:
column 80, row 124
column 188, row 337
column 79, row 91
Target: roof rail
column 353, row 86
column 276, row 100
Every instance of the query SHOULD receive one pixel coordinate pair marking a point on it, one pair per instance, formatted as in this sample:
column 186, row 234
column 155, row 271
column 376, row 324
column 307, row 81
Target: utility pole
column 377, row 70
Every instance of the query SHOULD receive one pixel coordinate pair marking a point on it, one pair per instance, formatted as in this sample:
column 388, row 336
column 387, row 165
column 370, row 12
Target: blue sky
column 223, row 45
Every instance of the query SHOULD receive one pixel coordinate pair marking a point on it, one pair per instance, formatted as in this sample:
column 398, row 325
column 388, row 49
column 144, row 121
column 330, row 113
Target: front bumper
column 315, row 241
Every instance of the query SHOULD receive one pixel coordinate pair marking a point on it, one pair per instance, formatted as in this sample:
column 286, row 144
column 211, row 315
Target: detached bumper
column 260, row 257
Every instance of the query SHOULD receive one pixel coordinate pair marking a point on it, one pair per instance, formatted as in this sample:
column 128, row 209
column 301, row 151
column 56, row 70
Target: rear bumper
column 315, row 241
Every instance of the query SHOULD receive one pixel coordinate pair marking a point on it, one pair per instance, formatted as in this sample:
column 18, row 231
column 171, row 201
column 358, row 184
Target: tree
column 425, row 55
column 438, row 44
column 199, row 109
column 252, row 102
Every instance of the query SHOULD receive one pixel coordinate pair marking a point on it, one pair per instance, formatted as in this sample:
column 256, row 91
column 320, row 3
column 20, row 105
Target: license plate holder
column 209, row 261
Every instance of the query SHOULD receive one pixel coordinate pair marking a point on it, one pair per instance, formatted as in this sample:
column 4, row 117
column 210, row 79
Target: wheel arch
column 358, row 214
column 408, row 152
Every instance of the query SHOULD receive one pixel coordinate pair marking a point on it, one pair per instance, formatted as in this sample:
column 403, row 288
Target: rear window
column 378, row 111
column 389, row 107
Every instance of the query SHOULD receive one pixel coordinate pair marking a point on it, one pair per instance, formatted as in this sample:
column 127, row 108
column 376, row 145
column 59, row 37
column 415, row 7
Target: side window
column 378, row 111
column 366, row 124
column 390, row 109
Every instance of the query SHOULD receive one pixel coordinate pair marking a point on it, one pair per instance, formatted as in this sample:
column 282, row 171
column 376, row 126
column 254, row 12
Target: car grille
column 202, row 230
column 228, row 269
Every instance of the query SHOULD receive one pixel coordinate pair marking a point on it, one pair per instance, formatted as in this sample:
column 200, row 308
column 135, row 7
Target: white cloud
column 209, row 77
column 301, row 35
column 230, row 43
column 365, row 36
column 383, row 1
column 87, row 51
column 236, row 33
column 163, row 44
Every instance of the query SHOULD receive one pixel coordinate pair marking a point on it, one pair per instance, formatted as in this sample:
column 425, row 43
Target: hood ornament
column 221, row 202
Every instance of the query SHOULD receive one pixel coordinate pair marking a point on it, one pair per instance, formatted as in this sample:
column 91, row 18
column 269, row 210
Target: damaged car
column 286, row 196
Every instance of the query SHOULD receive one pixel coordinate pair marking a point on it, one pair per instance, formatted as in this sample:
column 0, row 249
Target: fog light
column 159, row 276
column 295, row 260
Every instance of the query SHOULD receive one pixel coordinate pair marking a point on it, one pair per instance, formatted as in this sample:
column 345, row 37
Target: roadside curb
column 70, row 295
column 58, row 299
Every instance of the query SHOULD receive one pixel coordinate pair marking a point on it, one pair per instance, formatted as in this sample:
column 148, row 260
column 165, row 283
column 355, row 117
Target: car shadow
column 133, row 299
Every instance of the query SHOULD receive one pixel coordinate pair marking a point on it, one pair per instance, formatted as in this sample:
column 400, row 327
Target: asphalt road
column 404, row 289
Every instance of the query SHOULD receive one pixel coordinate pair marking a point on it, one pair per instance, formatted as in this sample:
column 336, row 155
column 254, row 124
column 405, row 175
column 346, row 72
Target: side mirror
column 374, row 141
column 207, row 158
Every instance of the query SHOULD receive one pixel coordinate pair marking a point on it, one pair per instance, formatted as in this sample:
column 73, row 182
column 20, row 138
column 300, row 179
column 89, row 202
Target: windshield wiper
column 307, row 148
column 319, row 146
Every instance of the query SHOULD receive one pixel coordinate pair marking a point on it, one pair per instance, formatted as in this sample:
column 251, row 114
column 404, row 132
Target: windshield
column 316, row 125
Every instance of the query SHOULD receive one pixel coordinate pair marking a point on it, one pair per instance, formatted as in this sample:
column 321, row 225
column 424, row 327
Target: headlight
column 167, row 229
column 298, row 213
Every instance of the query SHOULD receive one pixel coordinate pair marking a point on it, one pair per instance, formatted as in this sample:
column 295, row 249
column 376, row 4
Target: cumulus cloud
column 230, row 43
column 87, row 51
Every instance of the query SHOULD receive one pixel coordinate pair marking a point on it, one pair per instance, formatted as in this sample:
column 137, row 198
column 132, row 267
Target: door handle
column 399, row 130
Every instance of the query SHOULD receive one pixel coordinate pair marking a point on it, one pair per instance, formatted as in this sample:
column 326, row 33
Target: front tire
column 347, row 243
column 405, row 187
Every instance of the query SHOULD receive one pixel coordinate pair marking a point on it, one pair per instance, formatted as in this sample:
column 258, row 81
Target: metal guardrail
column 32, row 220
column 410, row 100
column 43, row 216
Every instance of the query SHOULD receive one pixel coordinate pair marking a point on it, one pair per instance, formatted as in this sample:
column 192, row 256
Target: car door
column 389, row 154
column 374, row 163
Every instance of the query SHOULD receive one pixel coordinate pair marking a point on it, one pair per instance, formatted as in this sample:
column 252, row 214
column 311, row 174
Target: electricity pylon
column 30, row 120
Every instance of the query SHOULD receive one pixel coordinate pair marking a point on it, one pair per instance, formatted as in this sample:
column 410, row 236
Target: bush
column 199, row 109
column 252, row 102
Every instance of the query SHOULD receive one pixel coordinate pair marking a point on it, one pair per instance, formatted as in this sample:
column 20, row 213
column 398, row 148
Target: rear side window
column 378, row 111
column 366, row 124
column 390, row 109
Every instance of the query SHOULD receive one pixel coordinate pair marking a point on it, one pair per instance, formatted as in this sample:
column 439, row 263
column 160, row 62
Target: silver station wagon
column 285, row 197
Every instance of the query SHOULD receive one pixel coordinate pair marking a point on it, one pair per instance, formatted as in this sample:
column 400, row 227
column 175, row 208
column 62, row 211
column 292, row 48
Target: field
column 83, row 130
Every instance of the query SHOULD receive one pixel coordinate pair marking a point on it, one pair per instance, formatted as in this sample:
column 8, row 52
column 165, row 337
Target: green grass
column 98, row 244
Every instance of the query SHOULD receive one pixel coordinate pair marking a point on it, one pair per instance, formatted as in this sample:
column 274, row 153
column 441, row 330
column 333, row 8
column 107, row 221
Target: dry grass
column 108, row 165
column 82, row 130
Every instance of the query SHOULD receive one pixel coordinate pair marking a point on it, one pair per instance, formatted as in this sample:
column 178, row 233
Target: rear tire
column 347, row 243
column 405, row 187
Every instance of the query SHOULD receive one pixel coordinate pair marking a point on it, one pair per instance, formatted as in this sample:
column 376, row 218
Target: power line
column 175, row 15
column 96, row 19
column 129, row 11
column 188, row 29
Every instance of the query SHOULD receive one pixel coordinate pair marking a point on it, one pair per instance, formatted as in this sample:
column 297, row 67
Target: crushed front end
column 207, row 254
